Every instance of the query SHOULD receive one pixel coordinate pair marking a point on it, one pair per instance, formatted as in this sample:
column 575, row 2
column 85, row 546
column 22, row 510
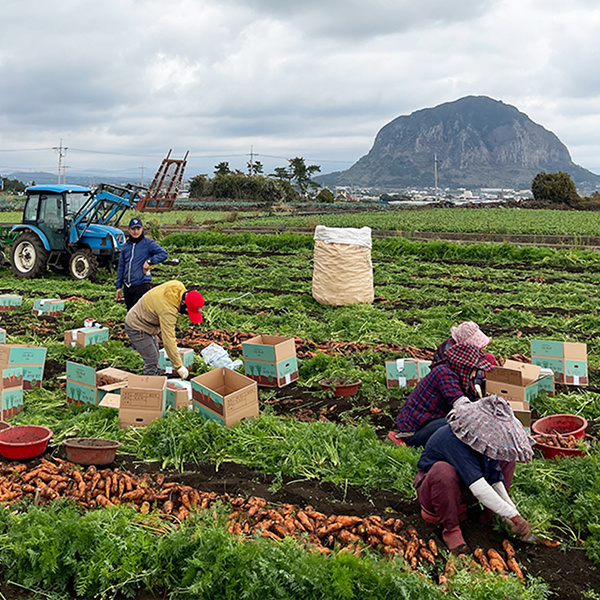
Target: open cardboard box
column 187, row 358
column 225, row 396
column 85, row 385
column 143, row 400
column 518, row 382
column 10, row 301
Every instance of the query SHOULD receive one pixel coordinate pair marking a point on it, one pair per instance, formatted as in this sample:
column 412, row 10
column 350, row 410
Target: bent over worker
column 157, row 312
column 471, row 459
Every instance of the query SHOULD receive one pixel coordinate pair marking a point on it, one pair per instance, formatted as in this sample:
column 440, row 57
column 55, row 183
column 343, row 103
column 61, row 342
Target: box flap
column 111, row 401
column 146, row 382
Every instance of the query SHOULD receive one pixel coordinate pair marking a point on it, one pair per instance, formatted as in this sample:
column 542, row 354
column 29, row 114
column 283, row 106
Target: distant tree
column 222, row 168
column 302, row 173
column 325, row 195
column 200, row 187
column 255, row 168
column 282, row 173
column 554, row 187
column 12, row 185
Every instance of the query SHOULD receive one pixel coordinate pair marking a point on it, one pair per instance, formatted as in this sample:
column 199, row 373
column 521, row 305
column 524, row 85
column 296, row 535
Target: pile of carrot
column 556, row 440
column 93, row 487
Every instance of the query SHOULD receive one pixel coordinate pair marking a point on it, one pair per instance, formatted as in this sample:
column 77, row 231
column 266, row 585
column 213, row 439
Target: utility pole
column 142, row 181
column 252, row 155
column 62, row 152
column 435, row 175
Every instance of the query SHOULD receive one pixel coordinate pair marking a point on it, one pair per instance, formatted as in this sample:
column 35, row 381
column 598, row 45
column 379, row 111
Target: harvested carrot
column 185, row 500
column 305, row 520
column 494, row 555
column 514, row 567
column 432, row 547
column 508, row 548
column 168, row 507
column 103, row 501
column 427, row 555
column 347, row 521
column 496, row 565
column 482, row 558
column 145, row 507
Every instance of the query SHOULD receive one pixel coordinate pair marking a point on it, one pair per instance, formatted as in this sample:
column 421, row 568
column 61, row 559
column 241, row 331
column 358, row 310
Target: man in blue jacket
column 138, row 256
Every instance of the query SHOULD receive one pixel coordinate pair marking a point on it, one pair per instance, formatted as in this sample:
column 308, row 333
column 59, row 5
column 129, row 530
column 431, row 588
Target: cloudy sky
column 120, row 82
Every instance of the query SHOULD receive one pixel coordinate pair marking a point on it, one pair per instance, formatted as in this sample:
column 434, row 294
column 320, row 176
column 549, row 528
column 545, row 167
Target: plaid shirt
column 431, row 399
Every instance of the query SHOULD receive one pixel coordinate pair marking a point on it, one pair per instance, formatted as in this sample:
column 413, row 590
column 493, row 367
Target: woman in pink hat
column 470, row 460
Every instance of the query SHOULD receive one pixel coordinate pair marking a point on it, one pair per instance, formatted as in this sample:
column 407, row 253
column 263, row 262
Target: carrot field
column 309, row 500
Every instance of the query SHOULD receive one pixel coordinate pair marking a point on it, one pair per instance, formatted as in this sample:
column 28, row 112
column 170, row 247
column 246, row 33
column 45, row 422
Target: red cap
column 194, row 303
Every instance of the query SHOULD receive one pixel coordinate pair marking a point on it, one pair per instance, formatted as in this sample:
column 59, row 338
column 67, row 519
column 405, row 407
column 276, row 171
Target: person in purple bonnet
column 472, row 459
column 434, row 396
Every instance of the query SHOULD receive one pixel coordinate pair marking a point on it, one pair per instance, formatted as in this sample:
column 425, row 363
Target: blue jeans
column 422, row 435
column 147, row 346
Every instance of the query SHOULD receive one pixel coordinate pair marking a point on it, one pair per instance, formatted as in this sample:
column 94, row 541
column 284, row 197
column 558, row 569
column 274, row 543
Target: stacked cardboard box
column 85, row 385
column 519, row 383
column 568, row 360
column 48, row 306
column 10, row 301
column 271, row 360
column 405, row 372
column 86, row 336
column 225, row 396
column 179, row 394
column 31, row 358
column 11, row 392
column 143, row 400
column 187, row 357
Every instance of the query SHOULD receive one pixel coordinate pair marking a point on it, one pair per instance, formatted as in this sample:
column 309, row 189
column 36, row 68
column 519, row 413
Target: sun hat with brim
column 469, row 333
column 490, row 427
column 466, row 356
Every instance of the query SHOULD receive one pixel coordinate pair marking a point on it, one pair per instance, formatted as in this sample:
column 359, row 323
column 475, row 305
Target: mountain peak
column 477, row 141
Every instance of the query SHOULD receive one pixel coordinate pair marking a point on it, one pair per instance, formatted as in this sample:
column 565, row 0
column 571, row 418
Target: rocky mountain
column 478, row 141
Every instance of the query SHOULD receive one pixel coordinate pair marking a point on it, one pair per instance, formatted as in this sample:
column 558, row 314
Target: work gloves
column 520, row 526
column 183, row 372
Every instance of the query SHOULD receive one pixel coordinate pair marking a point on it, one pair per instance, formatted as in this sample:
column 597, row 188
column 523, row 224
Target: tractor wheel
column 83, row 265
column 28, row 257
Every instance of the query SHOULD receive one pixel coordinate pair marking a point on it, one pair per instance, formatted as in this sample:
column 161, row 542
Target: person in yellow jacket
column 157, row 312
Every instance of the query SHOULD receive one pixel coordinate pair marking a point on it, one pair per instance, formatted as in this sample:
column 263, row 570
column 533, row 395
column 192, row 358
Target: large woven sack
column 343, row 271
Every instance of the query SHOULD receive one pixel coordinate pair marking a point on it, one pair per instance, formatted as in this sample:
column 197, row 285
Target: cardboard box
column 270, row 360
column 11, row 392
column 179, row 394
column 10, row 301
column 85, row 385
column 91, row 323
column 225, row 396
column 187, row 357
column 568, row 360
column 143, row 400
column 86, row 336
column 518, row 383
column 31, row 358
column 48, row 306
column 405, row 372
column 2, row 336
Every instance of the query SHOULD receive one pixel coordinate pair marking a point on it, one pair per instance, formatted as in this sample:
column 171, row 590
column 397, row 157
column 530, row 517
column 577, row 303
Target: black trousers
column 134, row 293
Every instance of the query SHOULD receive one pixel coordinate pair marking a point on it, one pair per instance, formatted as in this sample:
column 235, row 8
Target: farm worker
column 157, row 312
column 472, row 459
column 469, row 333
column 138, row 257
column 434, row 396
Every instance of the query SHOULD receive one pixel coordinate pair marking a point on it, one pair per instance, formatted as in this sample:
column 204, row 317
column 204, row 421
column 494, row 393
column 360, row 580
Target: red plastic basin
column 561, row 424
column 24, row 441
column 341, row 388
column 91, row 451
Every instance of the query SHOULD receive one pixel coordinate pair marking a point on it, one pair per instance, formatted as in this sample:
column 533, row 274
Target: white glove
column 183, row 372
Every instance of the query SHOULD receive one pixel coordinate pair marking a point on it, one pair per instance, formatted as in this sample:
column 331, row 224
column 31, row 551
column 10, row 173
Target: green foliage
column 554, row 187
column 112, row 552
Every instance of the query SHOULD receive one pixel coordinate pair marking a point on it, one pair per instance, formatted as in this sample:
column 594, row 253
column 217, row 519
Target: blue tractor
column 66, row 228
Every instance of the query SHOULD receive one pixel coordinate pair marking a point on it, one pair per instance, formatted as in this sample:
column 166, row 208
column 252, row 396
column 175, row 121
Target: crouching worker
column 471, row 459
column 157, row 312
column 434, row 396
